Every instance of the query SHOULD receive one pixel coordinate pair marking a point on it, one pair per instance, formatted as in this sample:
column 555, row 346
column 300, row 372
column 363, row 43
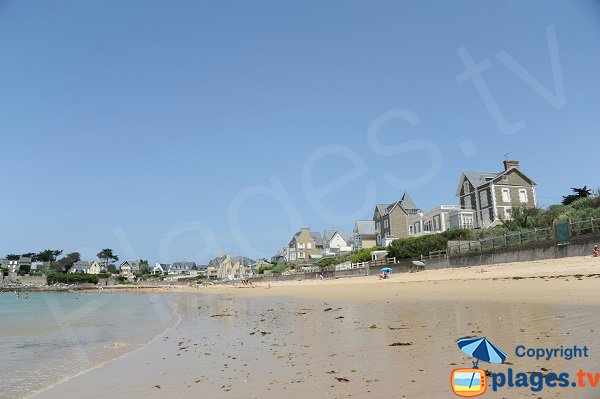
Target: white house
column 95, row 267
column 436, row 220
column 337, row 241
column 80, row 266
column 160, row 268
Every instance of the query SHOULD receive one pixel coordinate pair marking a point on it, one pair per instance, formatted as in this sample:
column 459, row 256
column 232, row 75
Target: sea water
column 52, row 336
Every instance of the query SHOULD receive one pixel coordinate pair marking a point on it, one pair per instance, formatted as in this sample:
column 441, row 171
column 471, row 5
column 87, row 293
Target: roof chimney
column 511, row 164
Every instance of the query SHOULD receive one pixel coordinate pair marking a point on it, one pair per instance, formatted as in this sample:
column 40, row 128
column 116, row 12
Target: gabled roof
column 478, row 179
column 24, row 259
column 365, row 227
column 407, row 202
column 383, row 208
column 329, row 234
column 183, row 265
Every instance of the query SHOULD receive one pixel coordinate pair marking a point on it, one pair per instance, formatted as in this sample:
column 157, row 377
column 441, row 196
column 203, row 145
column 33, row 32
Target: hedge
column 71, row 278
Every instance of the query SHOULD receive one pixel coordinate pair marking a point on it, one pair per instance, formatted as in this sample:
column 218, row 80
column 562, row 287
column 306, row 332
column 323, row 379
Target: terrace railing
column 518, row 239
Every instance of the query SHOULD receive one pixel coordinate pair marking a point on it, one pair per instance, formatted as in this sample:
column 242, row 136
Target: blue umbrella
column 386, row 270
column 481, row 349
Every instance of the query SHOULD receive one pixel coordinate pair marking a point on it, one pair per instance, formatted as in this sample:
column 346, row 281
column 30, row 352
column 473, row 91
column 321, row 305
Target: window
column 483, row 198
column 436, row 223
column 468, row 202
column 300, row 245
column 467, row 221
column 505, row 195
column 300, row 255
column 507, row 213
column 485, row 218
column 523, row 195
column 386, row 223
column 411, row 229
column 377, row 226
column 308, row 245
column 465, row 187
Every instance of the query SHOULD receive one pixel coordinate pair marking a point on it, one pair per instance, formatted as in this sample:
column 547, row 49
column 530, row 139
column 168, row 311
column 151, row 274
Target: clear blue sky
column 172, row 130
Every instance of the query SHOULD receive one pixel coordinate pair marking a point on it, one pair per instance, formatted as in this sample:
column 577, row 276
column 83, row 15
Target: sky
column 172, row 131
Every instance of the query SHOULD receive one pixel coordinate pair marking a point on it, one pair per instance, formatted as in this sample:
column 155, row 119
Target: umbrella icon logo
column 469, row 382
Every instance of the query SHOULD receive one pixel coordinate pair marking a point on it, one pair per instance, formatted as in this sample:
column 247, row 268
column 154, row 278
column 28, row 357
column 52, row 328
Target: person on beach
column 17, row 294
column 595, row 251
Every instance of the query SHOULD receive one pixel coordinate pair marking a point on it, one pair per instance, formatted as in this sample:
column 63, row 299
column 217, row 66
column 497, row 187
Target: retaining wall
column 579, row 247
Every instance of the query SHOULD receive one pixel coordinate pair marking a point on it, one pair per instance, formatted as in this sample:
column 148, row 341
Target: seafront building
column 337, row 242
column 305, row 245
column 392, row 220
column 492, row 195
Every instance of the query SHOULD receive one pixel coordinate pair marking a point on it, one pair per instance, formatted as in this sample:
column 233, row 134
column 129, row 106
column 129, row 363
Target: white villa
column 441, row 218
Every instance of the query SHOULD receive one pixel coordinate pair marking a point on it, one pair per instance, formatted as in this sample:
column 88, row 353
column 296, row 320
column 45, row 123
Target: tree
column 48, row 255
column 112, row 269
column 64, row 264
column 12, row 257
column 28, row 255
column 144, row 267
column 106, row 256
column 523, row 218
column 578, row 193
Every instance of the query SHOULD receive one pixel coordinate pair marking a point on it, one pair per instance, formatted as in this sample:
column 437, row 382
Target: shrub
column 71, row 278
column 262, row 269
column 364, row 255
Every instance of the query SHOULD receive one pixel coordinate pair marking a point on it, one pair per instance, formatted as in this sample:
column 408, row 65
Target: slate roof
column 365, row 227
column 407, row 202
column 383, row 208
column 329, row 234
column 182, row 266
column 479, row 178
column 318, row 238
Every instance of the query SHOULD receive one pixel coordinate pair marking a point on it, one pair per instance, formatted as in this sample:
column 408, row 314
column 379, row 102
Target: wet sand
column 360, row 337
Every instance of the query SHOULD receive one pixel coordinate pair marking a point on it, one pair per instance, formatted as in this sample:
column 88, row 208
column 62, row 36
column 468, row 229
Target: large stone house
column 365, row 235
column 392, row 220
column 493, row 195
column 305, row 245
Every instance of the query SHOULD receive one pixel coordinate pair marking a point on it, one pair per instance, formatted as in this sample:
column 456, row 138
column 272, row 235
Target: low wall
column 13, row 278
column 580, row 247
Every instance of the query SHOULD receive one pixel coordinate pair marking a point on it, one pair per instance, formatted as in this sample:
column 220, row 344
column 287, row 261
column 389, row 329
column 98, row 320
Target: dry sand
column 360, row 337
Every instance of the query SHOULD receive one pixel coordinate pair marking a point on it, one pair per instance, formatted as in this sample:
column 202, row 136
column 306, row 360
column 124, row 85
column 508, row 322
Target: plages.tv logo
column 470, row 382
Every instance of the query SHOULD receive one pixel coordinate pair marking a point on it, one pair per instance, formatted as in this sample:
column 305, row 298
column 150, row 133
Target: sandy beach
column 360, row 337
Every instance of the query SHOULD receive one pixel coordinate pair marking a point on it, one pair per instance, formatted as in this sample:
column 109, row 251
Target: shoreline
column 107, row 362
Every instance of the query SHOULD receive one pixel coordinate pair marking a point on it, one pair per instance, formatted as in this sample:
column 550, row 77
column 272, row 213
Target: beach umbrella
column 386, row 270
column 418, row 263
column 481, row 349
